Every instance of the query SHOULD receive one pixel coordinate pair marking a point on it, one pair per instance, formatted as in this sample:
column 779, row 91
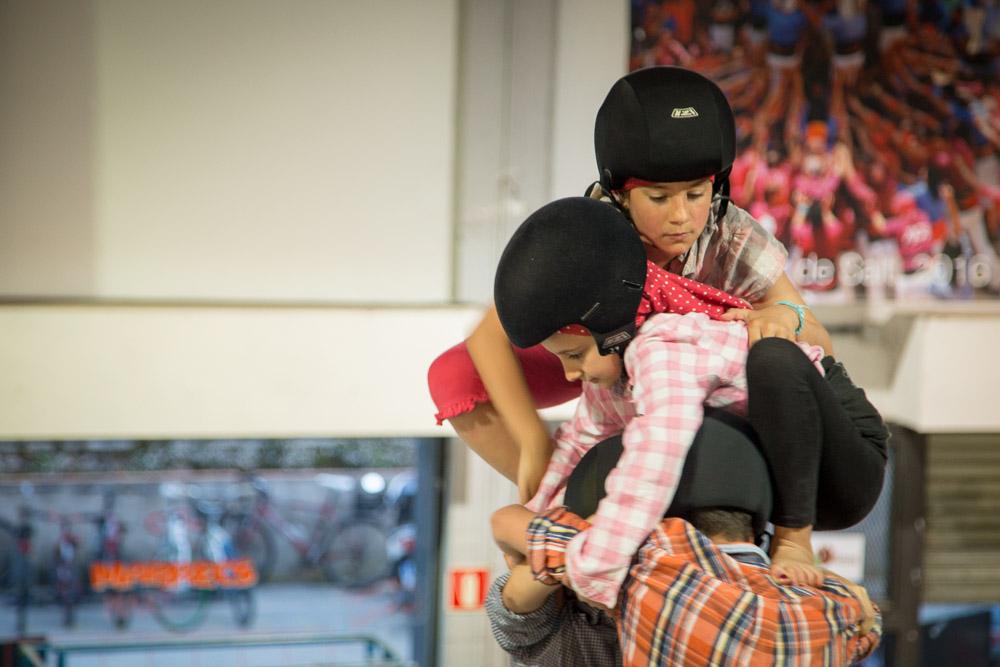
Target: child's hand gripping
column 772, row 322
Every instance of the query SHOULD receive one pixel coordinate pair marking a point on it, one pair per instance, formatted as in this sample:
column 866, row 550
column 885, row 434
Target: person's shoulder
column 676, row 526
column 737, row 218
column 679, row 327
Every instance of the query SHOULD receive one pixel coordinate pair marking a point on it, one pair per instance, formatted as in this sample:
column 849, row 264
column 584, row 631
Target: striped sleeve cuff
column 867, row 643
column 548, row 535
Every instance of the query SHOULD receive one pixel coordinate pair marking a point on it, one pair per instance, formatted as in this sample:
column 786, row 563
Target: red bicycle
column 350, row 550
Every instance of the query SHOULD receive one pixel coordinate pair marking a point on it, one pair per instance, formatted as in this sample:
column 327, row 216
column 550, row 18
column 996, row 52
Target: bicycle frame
column 309, row 544
column 349, row 549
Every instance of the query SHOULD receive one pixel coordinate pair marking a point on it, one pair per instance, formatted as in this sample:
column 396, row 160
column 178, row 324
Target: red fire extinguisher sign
column 468, row 588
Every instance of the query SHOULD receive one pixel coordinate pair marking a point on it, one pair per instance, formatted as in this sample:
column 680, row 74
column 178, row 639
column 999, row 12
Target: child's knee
column 775, row 360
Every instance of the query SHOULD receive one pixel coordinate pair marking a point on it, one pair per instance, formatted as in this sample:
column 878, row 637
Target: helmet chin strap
column 720, row 190
column 720, row 203
column 615, row 341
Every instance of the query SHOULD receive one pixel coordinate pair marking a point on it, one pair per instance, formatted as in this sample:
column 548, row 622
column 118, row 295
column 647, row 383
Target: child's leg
column 461, row 398
column 826, row 469
column 482, row 429
column 851, row 471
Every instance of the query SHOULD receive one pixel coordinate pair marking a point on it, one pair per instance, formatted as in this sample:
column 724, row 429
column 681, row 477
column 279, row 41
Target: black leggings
column 825, row 444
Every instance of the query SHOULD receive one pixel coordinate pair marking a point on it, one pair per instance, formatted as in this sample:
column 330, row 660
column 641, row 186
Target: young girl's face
column 669, row 216
column 581, row 360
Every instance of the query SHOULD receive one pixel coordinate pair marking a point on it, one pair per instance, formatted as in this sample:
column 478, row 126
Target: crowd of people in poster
column 868, row 134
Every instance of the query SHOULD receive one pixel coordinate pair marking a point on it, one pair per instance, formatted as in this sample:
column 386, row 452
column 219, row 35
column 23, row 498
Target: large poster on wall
column 868, row 134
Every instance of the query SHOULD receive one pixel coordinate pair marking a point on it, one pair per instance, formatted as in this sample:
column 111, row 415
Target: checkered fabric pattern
column 688, row 603
column 676, row 365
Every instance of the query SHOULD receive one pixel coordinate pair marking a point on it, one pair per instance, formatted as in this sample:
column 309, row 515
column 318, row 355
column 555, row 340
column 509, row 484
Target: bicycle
column 350, row 551
column 15, row 547
column 195, row 564
column 64, row 572
column 107, row 549
column 67, row 582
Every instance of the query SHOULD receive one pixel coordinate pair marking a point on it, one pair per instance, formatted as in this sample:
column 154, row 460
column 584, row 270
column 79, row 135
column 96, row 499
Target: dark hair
column 719, row 523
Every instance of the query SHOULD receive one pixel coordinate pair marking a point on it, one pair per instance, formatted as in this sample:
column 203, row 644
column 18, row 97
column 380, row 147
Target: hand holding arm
column 510, row 524
column 522, row 593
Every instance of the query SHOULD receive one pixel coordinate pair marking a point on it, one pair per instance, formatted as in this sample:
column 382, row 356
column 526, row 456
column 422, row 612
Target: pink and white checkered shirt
column 677, row 365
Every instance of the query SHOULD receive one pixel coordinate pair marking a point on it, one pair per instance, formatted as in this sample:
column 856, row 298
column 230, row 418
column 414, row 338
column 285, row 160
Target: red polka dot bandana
column 666, row 292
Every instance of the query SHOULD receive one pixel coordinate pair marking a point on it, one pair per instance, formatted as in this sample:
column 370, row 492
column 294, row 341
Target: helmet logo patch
column 616, row 339
column 684, row 112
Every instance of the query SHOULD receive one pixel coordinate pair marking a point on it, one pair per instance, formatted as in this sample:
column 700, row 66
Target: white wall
column 227, row 150
column 218, row 175
column 107, row 372
column 592, row 53
column 532, row 75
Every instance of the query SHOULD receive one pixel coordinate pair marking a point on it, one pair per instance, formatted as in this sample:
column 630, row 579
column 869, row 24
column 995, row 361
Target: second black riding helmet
column 664, row 125
column 573, row 261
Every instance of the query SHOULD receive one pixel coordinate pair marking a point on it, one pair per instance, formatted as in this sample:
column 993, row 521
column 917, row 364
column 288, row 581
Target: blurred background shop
column 234, row 234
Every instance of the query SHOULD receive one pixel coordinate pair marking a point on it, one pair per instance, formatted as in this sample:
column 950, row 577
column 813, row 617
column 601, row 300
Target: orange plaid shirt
column 686, row 602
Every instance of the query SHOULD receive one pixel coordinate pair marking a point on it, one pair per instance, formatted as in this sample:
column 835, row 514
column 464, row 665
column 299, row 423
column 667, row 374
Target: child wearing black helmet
column 699, row 564
column 665, row 143
column 649, row 375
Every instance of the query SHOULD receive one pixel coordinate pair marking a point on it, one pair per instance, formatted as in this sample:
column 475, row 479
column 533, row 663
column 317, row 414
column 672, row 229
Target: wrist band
column 799, row 310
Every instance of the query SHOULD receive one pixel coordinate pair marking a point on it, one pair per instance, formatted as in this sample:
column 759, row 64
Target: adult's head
column 573, row 263
column 665, row 140
column 724, row 490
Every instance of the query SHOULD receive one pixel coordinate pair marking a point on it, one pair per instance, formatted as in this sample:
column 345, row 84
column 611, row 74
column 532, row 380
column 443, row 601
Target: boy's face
column 581, row 360
column 669, row 216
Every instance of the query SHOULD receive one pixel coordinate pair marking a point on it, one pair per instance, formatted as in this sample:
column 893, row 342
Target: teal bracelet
column 799, row 310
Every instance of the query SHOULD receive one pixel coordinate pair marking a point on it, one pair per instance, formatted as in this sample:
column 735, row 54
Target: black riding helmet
column 665, row 124
column 573, row 261
column 724, row 469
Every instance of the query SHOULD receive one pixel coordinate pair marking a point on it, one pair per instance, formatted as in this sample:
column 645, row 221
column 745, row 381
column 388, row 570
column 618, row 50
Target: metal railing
column 49, row 652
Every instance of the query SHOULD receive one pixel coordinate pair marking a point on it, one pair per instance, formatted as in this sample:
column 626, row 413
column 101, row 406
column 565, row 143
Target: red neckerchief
column 667, row 292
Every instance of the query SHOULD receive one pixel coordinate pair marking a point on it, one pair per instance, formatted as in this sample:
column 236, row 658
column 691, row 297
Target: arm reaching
column 503, row 378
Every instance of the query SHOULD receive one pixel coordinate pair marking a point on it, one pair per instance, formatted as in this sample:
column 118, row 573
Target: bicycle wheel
column 355, row 555
column 241, row 604
column 119, row 605
column 180, row 606
column 252, row 540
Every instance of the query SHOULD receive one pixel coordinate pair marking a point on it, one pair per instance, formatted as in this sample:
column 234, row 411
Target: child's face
column 581, row 360
column 669, row 216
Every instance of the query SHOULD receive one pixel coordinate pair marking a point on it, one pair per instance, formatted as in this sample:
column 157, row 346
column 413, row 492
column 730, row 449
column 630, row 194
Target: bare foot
column 792, row 560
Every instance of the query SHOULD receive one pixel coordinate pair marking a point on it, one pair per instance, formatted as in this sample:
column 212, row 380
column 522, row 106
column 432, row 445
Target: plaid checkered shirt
column 675, row 366
column 554, row 635
column 687, row 602
column 736, row 255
